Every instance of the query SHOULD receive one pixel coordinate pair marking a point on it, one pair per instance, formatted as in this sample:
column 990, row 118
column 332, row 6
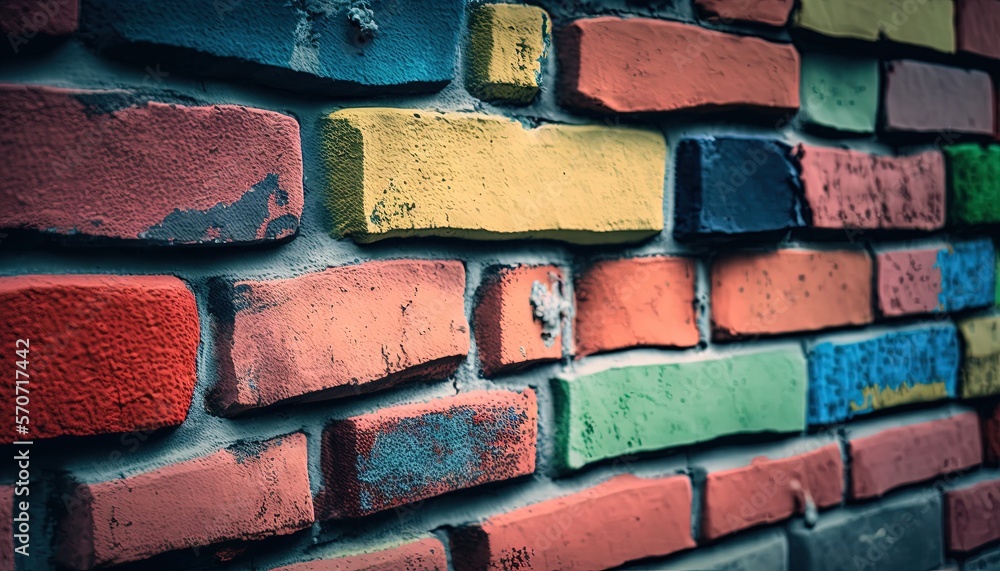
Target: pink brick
column 248, row 491
column 22, row 20
column 851, row 189
column 7, row 527
column 909, row 281
column 623, row 519
column 511, row 334
column 976, row 23
column 928, row 98
column 770, row 12
column 405, row 454
column 342, row 331
column 637, row 302
column 914, row 453
column 424, row 555
column 972, row 516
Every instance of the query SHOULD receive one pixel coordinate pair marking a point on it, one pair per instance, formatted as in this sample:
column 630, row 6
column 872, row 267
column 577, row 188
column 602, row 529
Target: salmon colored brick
column 909, row 281
column 424, row 555
column 914, row 453
column 636, row 302
column 770, row 12
column 790, row 290
column 408, row 453
column 767, row 491
column 623, row 519
column 340, row 332
column 104, row 353
column 519, row 318
column 642, row 65
column 972, row 516
column 248, row 491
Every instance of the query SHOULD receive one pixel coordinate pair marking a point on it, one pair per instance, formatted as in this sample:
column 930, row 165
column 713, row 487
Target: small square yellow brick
column 507, row 43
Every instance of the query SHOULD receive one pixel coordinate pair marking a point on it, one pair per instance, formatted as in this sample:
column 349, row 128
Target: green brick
column 652, row 407
column 974, row 183
column 926, row 23
column 839, row 93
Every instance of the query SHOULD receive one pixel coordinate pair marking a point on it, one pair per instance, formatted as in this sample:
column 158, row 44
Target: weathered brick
column 991, row 435
column 734, row 185
column 104, row 353
column 913, row 453
column 248, row 491
column 424, row 555
column 507, row 43
column 849, row 189
column 972, row 515
column 651, row 407
column 101, row 164
column 641, row 65
column 342, row 331
column 927, row 23
column 339, row 48
column 903, row 533
column 8, row 528
column 789, row 290
column 763, row 492
column 770, row 12
column 519, row 319
column 981, row 358
column 754, row 551
column 928, row 98
column 635, row 302
column 976, row 25
column 21, row 21
column 839, row 93
column 402, row 172
column 987, row 561
column 404, row 454
column 623, row 519
column 974, row 183
column 852, row 378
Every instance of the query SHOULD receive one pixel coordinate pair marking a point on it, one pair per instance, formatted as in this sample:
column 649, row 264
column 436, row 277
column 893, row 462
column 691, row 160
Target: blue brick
column 309, row 44
column 890, row 365
column 967, row 275
column 734, row 185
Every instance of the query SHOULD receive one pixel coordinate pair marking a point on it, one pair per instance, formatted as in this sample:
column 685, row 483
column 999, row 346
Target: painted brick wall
column 438, row 285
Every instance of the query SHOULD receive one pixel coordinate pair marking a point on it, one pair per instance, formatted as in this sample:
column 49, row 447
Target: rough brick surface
column 404, row 454
column 954, row 278
column 621, row 520
column 106, row 353
column 639, row 65
column 905, row 533
column 789, row 290
column 981, row 358
column 770, row 12
column 913, row 453
column 839, row 93
column 752, row 551
column 507, row 43
column 974, row 183
column 652, row 407
column 928, row 98
column 926, row 24
column 99, row 164
column 734, row 185
column 520, row 317
column 767, row 490
column 637, row 302
column 22, row 20
column 406, row 173
column 976, row 25
column 250, row 490
column 7, row 528
column 424, row 555
column 972, row 515
column 851, row 189
column 851, row 378
column 342, row 331
column 313, row 46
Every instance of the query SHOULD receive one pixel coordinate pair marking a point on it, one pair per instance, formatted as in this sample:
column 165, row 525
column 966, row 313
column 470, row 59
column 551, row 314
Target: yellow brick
column 506, row 45
column 406, row 172
column 981, row 363
column 927, row 23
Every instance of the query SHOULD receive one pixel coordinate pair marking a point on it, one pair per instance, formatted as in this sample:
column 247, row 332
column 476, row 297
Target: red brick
column 770, row 12
column 976, row 23
column 922, row 97
column 100, row 164
column 621, row 520
column 909, row 281
column 7, row 528
column 341, row 331
column 424, row 555
column 638, row 302
column 248, row 491
column 763, row 492
column 638, row 65
column 972, row 516
column 914, row 453
column 22, row 20
column 408, row 453
column 790, row 290
column 851, row 189
column 991, row 435
column 511, row 334
column 106, row 353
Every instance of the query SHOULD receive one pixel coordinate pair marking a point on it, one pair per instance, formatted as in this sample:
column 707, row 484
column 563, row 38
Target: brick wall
column 422, row 284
